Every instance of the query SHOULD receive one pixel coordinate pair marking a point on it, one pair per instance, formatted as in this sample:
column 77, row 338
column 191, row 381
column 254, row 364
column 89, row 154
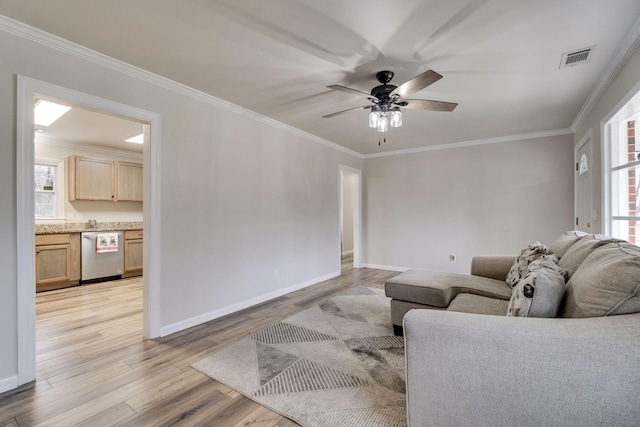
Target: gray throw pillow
column 549, row 262
column 538, row 294
column 527, row 255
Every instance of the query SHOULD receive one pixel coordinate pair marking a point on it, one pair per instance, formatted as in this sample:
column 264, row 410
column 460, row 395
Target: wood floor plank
column 10, row 423
column 94, row 367
column 194, row 403
column 108, row 417
column 230, row 414
column 260, row 417
column 84, row 376
column 58, row 364
column 165, row 390
column 86, row 403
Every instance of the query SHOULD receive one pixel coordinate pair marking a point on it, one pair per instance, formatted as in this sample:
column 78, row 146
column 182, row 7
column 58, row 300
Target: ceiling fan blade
column 352, row 91
column 425, row 104
column 346, row 111
column 416, row 84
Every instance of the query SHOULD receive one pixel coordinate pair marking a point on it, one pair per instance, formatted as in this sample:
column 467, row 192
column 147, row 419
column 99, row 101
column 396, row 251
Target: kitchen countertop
column 78, row 227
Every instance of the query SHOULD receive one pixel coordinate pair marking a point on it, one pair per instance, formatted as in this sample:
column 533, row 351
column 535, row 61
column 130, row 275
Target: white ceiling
column 500, row 58
column 90, row 128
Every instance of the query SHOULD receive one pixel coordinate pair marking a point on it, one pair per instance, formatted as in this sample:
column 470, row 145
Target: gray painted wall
column 482, row 200
column 239, row 197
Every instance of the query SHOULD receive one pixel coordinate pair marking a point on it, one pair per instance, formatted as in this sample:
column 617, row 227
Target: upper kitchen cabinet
column 129, row 181
column 96, row 179
column 91, row 179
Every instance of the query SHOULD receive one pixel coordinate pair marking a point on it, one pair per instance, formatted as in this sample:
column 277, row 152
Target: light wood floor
column 95, row 369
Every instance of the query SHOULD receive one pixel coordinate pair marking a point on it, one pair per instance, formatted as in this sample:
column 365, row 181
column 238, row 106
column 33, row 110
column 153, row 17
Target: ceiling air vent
column 576, row 57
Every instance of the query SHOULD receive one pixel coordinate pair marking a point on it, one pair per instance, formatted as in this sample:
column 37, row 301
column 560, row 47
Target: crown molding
column 628, row 46
column 485, row 141
column 36, row 35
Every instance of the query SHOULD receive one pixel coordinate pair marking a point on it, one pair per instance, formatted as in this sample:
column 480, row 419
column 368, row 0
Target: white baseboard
column 347, row 253
column 385, row 267
column 206, row 317
column 7, row 384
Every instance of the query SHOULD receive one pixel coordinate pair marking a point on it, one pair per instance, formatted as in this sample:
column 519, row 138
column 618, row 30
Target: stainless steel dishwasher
column 102, row 258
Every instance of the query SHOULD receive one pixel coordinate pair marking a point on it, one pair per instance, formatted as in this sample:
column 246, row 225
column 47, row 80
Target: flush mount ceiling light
column 138, row 139
column 45, row 112
column 387, row 99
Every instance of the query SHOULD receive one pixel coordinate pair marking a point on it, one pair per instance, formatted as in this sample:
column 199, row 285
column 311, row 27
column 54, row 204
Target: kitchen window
column 45, row 180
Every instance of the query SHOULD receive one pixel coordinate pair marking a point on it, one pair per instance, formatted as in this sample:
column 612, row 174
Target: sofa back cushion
column 606, row 284
column 580, row 250
column 562, row 245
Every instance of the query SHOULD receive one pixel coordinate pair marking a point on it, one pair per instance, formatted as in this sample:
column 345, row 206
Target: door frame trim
column 27, row 90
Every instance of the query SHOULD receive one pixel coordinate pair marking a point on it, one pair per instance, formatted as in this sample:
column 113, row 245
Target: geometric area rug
column 337, row 363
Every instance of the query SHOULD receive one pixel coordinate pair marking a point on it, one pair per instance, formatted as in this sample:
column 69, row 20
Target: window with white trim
column 625, row 182
column 45, row 191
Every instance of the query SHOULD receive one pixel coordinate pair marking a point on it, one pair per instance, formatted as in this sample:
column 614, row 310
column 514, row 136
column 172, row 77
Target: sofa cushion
column 438, row 288
column 400, row 308
column 476, row 304
column 538, row 294
column 519, row 267
column 492, row 266
column 581, row 249
column 562, row 245
column 607, row 283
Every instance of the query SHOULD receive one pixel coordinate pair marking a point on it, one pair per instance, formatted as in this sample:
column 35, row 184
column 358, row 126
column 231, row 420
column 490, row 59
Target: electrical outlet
column 276, row 273
column 452, row 258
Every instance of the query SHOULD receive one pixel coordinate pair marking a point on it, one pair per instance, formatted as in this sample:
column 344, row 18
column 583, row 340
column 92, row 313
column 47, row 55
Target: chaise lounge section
column 416, row 289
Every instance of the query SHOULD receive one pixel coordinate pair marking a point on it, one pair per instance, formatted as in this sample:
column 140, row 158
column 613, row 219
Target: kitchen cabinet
column 129, row 181
column 133, row 260
column 57, row 261
column 97, row 179
column 91, row 179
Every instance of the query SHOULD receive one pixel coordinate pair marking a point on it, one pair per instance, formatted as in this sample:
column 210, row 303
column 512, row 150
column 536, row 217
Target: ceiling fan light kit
column 381, row 120
column 387, row 99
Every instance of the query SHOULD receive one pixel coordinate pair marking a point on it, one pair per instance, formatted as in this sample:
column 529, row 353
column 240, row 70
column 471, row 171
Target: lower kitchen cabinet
column 132, row 253
column 57, row 261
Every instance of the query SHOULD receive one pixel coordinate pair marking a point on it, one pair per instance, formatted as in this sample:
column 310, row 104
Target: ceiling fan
column 387, row 99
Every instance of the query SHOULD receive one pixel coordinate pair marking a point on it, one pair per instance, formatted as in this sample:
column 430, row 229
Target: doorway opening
column 350, row 217
column 88, row 190
column 29, row 91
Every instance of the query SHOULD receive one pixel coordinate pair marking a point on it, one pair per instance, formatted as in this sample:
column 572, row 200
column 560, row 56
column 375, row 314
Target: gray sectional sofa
column 468, row 364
